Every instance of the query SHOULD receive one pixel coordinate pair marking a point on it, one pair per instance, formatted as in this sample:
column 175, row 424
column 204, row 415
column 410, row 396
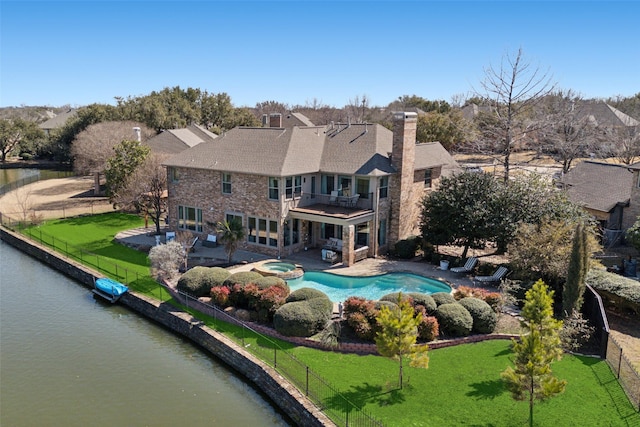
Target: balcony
column 324, row 207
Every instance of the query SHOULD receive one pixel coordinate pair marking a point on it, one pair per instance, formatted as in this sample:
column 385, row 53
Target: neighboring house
column 604, row 115
column 609, row 192
column 300, row 186
column 57, row 121
column 174, row 141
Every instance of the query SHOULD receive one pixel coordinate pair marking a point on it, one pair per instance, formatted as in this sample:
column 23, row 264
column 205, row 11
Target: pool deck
column 310, row 260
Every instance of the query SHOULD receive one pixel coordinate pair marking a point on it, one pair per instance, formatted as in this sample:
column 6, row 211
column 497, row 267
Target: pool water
column 278, row 266
column 339, row 288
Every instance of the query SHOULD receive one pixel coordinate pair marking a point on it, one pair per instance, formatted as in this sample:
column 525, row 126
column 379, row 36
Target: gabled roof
column 599, row 186
column 358, row 149
column 350, row 149
column 259, row 151
column 59, row 120
column 603, row 114
column 433, row 154
column 174, row 141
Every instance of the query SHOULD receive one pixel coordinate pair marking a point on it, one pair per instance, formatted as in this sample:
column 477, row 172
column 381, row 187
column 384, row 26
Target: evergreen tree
column 398, row 334
column 578, row 266
column 532, row 377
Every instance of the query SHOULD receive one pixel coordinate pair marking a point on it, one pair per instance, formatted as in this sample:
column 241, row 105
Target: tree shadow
column 357, row 397
column 487, row 389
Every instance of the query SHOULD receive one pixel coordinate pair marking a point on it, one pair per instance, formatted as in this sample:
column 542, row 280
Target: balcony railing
column 353, row 202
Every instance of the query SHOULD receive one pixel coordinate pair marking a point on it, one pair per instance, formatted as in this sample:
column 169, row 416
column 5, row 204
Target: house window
column 345, row 185
column 173, row 174
column 427, row 178
column 362, row 234
column 189, row 218
column 382, row 232
column 313, row 187
column 383, row 187
column 328, row 231
column 230, row 217
column 262, row 231
column 362, row 186
column 327, row 183
column 291, row 232
column 226, row 183
column 293, row 186
column 274, row 192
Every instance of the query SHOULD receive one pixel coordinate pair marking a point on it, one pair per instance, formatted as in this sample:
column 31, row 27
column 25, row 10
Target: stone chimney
column 275, row 120
column 404, row 206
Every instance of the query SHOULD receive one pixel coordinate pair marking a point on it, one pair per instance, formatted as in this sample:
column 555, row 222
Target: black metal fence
column 326, row 397
column 627, row 374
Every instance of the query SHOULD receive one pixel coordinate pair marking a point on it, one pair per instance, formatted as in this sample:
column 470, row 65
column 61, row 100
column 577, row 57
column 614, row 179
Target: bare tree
column 94, row 145
column 565, row 132
column 623, row 143
column 146, row 189
column 513, row 90
column 357, row 108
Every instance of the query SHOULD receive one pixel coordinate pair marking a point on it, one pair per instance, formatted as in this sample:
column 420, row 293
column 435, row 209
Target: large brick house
column 294, row 185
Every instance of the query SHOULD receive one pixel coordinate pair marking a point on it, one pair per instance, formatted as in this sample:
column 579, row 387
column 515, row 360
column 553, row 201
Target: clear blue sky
column 56, row 53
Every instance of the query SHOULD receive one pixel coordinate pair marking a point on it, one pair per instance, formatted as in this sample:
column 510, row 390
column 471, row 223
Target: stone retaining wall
column 284, row 394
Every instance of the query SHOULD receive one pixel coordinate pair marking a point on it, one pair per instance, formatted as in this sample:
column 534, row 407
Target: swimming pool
column 339, row 288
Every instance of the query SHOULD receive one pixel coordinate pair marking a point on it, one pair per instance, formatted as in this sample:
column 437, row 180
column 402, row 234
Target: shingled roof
column 350, row 149
column 603, row 114
column 174, row 141
column 599, row 186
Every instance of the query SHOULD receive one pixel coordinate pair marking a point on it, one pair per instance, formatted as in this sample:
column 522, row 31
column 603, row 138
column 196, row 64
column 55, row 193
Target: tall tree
column 532, row 379
column 398, row 334
column 623, row 143
column 14, row 132
column 566, row 133
column 461, row 211
column 574, row 287
column 358, row 109
column 129, row 155
column 449, row 129
column 513, row 89
column 232, row 234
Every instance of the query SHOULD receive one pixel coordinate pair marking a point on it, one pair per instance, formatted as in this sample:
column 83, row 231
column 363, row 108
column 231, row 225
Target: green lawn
column 461, row 387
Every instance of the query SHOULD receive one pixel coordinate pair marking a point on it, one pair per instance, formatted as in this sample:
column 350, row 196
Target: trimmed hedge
column 305, row 313
column 454, row 319
column 484, row 317
column 618, row 291
column 269, row 281
column 242, row 278
column 407, row 248
column 414, row 298
column 443, row 298
column 198, row 281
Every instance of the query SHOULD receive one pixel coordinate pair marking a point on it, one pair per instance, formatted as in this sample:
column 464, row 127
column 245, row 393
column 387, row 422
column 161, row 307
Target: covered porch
column 339, row 229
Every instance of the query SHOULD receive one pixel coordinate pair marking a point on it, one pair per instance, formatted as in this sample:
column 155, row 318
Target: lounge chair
column 191, row 247
column 467, row 267
column 496, row 277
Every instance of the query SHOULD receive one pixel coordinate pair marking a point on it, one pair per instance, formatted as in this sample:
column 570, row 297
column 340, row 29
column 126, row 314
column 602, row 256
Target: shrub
column 220, row 295
column 494, row 299
column 166, row 260
column 484, row 317
column 407, row 248
column 618, row 292
column 424, row 300
column 269, row 301
column 304, row 294
column 360, row 314
column 443, row 298
column 379, row 304
column 428, row 329
column 242, row 278
column 454, row 319
column 393, row 297
column 269, row 281
column 303, row 318
column 194, row 282
column 217, row 275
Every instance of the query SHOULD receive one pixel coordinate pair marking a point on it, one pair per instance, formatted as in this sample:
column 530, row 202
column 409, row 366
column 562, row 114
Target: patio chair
column 191, row 247
column 333, row 198
column 496, row 277
column 171, row 235
column 467, row 267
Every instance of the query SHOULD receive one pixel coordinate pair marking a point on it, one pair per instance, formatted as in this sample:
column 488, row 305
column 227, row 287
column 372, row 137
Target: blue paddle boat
column 109, row 289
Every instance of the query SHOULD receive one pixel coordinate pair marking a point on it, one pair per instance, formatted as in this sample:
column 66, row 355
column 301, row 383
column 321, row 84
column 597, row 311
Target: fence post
column 619, row 362
column 275, row 357
column 306, row 391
